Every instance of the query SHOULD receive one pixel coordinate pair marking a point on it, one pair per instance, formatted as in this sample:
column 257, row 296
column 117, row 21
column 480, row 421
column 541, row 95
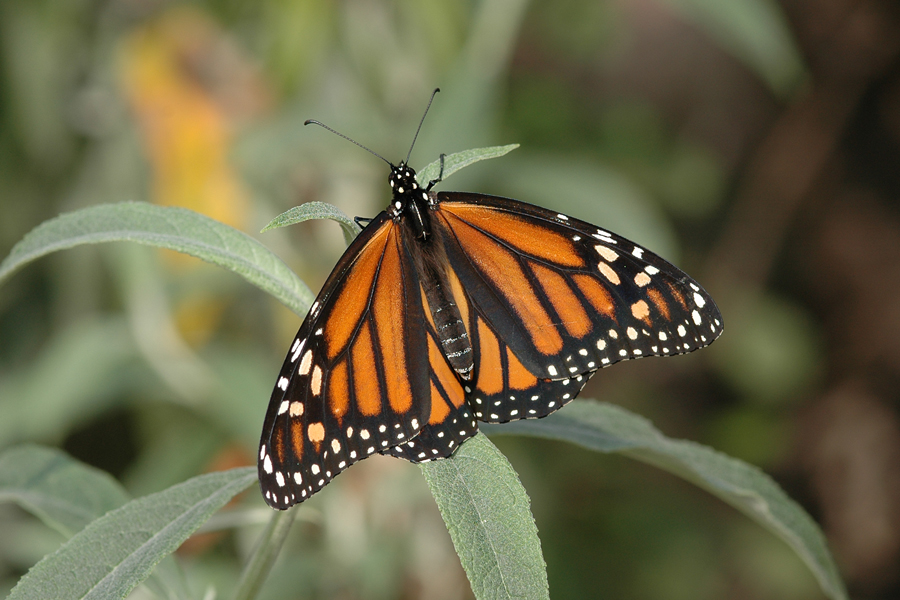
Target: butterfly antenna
column 433, row 94
column 349, row 139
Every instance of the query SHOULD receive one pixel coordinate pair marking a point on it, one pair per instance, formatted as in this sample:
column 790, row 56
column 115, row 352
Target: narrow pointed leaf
column 115, row 553
column 169, row 227
column 316, row 210
column 608, row 428
column 455, row 162
column 489, row 518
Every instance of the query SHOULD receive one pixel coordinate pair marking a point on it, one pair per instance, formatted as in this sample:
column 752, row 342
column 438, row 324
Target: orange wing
column 354, row 381
column 501, row 388
column 566, row 297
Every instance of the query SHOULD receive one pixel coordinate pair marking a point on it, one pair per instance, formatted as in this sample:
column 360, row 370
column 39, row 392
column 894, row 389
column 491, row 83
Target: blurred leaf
column 608, row 428
column 755, row 32
column 459, row 160
column 62, row 492
column 165, row 227
column 316, row 210
column 80, row 373
column 489, row 518
column 115, row 553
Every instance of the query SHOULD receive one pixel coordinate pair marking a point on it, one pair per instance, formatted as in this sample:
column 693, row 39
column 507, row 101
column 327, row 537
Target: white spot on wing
column 298, row 347
column 306, row 363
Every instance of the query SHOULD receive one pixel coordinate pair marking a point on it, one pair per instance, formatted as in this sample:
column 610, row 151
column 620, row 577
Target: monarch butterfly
column 452, row 308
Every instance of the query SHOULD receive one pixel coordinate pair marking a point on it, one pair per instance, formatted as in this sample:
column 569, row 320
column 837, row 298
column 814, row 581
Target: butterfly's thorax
column 413, row 207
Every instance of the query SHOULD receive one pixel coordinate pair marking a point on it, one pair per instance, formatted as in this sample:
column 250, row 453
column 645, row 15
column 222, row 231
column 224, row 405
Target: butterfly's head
column 404, row 188
column 409, row 200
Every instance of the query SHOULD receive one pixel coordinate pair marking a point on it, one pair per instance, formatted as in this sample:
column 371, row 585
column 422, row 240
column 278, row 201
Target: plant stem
column 264, row 554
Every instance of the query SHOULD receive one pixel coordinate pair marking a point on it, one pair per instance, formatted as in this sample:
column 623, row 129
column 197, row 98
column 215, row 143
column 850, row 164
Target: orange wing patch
column 519, row 233
column 506, row 274
column 339, row 390
column 564, row 301
column 597, row 295
column 657, row 298
column 297, row 435
column 351, row 303
column 490, row 369
column 519, row 377
column 678, row 295
column 365, row 377
column 388, row 308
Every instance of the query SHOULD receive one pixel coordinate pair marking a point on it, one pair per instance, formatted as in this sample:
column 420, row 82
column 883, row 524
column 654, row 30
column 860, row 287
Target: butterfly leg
column 362, row 221
column 439, row 178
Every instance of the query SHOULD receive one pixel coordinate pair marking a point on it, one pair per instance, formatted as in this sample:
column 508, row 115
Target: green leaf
column 608, row 428
column 115, row 553
column 62, row 492
column 458, row 160
column 169, row 227
column 322, row 210
column 316, row 210
column 489, row 518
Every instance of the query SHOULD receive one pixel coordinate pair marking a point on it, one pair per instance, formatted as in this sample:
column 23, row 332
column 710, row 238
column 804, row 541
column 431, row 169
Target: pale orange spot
column 316, row 432
column 641, row 279
column 607, row 253
column 316, row 382
column 641, row 311
column 609, row 273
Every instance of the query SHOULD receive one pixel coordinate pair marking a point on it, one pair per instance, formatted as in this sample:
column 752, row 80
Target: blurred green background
column 754, row 143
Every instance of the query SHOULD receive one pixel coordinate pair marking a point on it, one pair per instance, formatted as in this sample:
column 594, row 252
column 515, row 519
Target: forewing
column 566, row 297
column 356, row 378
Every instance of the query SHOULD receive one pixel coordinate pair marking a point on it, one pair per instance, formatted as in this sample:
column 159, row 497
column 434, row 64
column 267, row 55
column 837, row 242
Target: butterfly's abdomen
column 439, row 298
column 455, row 343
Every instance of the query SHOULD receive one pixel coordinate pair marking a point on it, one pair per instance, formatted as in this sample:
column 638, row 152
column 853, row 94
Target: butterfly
column 451, row 308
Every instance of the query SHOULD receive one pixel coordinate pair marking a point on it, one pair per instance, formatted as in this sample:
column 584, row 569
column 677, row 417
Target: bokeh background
column 754, row 143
